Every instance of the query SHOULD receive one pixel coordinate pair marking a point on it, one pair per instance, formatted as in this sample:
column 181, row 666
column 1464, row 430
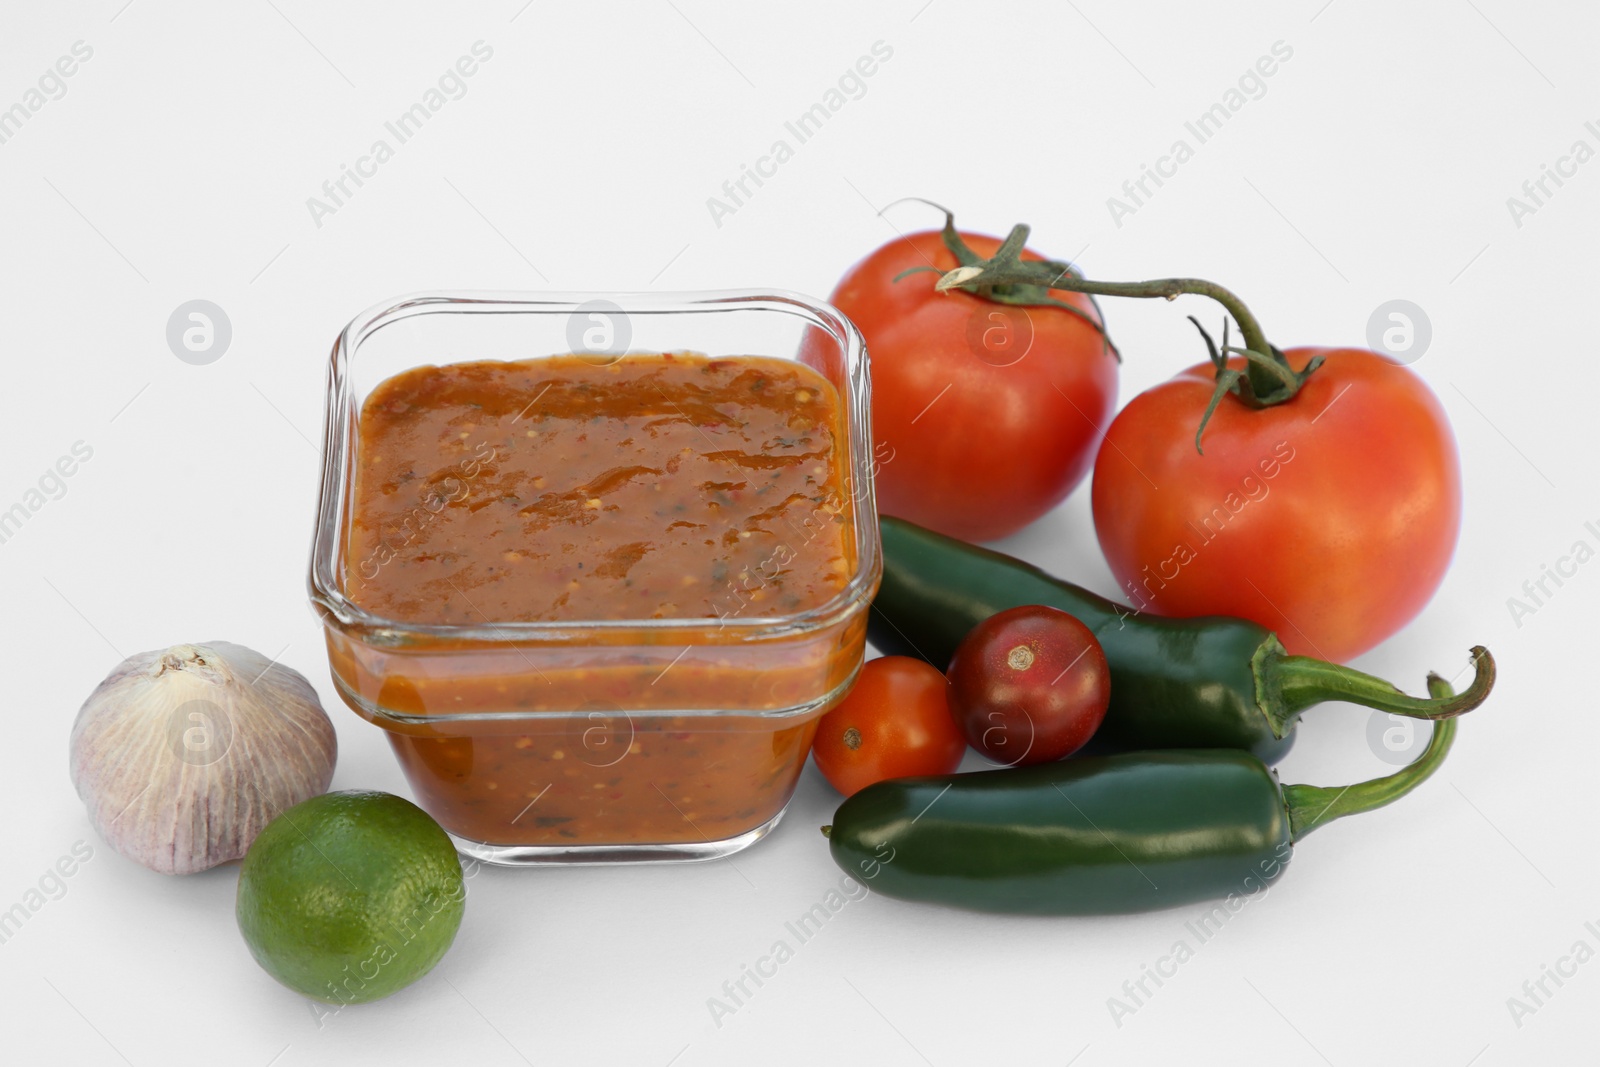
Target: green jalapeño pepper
column 1101, row 835
column 1210, row 682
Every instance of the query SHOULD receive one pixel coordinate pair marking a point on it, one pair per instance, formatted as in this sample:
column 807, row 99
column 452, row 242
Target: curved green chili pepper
column 1211, row 682
column 1100, row 835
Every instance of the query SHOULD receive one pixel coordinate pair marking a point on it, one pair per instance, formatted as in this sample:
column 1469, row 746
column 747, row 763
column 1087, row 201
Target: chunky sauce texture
column 559, row 489
column 665, row 486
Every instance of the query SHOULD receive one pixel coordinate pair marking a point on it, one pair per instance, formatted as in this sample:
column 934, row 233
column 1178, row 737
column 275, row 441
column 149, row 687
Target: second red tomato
column 1329, row 519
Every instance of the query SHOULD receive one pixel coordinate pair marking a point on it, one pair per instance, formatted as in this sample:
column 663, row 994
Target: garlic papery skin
column 184, row 755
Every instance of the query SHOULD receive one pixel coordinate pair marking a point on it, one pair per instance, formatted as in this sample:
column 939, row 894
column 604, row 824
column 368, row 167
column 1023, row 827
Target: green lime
column 350, row 896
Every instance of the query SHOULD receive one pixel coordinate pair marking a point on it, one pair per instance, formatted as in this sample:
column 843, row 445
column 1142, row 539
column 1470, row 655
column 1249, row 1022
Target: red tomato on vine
column 1329, row 518
column 986, row 412
column 1315, row 491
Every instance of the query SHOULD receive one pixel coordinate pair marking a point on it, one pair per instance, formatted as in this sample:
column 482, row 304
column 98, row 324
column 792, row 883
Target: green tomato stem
column 1266, row 379
column 1057, row 276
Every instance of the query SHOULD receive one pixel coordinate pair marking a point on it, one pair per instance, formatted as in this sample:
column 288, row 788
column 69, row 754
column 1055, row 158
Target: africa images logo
column 451, row 85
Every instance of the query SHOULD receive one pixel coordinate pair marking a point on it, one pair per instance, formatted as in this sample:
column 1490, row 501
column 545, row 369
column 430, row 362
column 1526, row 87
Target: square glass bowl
column 614, row 740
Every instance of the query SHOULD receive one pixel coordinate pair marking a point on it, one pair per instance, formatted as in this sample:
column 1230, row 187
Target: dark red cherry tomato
column 1029, row 685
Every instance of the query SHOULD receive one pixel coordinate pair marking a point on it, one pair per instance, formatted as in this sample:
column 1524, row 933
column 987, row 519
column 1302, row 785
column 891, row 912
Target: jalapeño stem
column 1300, row 682
column 1311, row 806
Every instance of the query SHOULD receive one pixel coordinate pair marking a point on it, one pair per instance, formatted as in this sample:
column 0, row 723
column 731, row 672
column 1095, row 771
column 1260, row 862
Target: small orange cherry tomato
column 895, row 723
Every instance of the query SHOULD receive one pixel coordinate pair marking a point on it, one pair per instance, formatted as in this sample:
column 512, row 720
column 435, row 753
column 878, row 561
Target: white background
column 1376, row 166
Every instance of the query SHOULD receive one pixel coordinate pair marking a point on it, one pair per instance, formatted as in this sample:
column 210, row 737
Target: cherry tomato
column 1329, row 519
column 986, row 415
column 895, row 723
column 1029, row 685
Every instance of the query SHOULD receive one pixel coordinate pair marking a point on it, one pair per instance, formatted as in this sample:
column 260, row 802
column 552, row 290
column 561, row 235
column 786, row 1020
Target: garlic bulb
column 183, row 756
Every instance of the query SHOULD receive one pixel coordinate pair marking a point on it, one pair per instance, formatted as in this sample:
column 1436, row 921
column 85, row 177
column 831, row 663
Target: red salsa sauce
column 670, row 486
